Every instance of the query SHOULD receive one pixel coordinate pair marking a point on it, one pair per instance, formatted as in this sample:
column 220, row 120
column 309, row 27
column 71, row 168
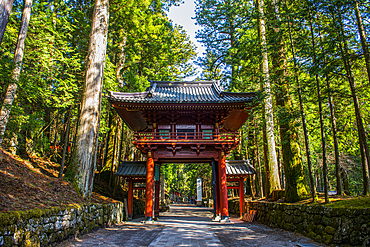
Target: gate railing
column 220, row 136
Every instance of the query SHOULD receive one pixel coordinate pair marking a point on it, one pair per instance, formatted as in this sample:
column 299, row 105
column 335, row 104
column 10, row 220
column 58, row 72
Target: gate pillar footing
column 225, row 219
column 217, row 218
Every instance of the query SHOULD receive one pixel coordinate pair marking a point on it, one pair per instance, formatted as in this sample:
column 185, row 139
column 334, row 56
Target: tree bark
column 121, row 58
column 83, row 163
column 109, row 133
column 251, row 155
column 18, row 57
column 260, row 183
column 361, row 32
column 345, row 181
column 5, row 11
column 273, row 172
column 121, row 141
column 111, row 141
column 335, row 138
column 66, row 141
column 323, row 142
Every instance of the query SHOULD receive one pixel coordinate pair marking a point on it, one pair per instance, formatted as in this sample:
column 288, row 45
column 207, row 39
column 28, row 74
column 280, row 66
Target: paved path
column 186, row 225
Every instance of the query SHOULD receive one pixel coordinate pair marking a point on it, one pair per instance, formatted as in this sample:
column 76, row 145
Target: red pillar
column 241, row 196
column 223, row 187
column 130, row 199
column 149, row 188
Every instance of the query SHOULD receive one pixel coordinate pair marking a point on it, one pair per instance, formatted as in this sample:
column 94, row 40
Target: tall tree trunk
column 121, row 57
column 55, row 146
column 267, row 189
column 66, row 142
column 364, row 149
column 323, row 141
column 322, row 128
column 120, row 145
column 273, row 172
column 251, row 154
column 18, row 57
column 83, row 164
column 361, row 32
column 47, row 121
column 302, row 112
column 108, row 145
column 296, row 185
column 345, row 181
column 259, row 171
column 115, row 151
column 5, row 10
column 335, row 138
column 111, row 143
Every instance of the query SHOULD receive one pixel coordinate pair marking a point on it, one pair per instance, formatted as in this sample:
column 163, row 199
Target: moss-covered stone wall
column 41, row 227
column 332, row 226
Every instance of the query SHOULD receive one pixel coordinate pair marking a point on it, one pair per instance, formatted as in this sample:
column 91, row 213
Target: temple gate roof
column 182, row 96
column 183, row 92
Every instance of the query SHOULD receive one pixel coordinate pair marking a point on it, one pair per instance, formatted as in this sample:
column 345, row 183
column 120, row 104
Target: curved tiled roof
column 182, row 92
column 132, row 169
column 239, row 167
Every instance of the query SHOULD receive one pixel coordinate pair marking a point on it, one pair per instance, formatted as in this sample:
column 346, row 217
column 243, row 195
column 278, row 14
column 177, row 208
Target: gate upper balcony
column 204, row 137
column 189, row 112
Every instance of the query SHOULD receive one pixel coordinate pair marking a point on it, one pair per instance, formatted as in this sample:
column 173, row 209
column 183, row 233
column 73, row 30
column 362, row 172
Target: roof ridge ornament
column 152, row 90
column 218, row 89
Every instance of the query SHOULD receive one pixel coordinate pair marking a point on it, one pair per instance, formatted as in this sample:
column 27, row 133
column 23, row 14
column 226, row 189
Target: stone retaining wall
column 338, row 226
column 41, row 227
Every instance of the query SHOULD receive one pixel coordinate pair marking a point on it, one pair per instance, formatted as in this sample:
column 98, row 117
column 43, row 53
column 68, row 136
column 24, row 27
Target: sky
column 182, row 16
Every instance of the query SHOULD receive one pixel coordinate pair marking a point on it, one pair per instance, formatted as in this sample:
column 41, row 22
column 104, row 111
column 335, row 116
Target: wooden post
column 223, row 187
column 163, row 184
column 130, row 199
column 156, row 199
column 213, row 164
column 241, row 196
column 149, row 188
column 198, row 130
column 173, row 131
column 155, row 130
column 218, row 204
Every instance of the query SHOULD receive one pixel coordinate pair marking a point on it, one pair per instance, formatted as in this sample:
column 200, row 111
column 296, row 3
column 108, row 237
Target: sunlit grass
column 354, row 202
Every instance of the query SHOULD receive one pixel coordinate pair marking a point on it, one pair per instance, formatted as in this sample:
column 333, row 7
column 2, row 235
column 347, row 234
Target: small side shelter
column 133, row 172
column 238, row 171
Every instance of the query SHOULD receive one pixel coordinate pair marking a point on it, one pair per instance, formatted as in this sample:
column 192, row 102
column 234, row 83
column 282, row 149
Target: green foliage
column 182, row 178
column 216, row 23
column 142, row 44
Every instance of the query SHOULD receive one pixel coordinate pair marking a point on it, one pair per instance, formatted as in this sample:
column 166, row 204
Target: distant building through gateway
column 185, row 122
